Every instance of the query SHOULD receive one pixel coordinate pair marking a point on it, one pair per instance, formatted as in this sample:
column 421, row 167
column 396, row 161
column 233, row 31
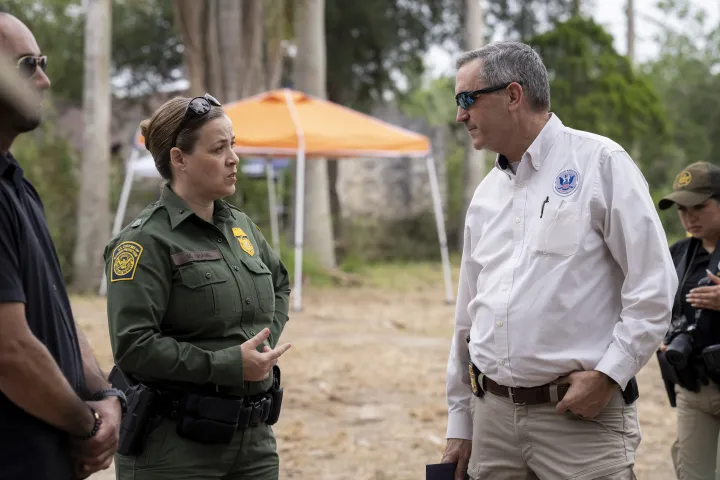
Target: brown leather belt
column 549, row 393
column 527, row 396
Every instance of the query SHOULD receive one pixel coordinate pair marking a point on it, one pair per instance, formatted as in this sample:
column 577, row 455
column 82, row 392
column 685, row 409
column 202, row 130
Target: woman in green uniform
column 197, row 301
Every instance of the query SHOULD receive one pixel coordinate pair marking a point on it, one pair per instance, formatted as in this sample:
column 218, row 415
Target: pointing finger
column 275, row 354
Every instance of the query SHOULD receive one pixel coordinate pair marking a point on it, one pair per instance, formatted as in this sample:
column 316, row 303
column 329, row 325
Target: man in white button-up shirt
column 565, row 292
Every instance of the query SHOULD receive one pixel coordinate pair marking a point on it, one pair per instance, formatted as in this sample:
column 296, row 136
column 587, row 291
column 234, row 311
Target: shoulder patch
column 125, row 259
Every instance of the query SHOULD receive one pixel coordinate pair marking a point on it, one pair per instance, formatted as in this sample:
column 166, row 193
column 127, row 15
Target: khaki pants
column 534, row 442
column 695, row 451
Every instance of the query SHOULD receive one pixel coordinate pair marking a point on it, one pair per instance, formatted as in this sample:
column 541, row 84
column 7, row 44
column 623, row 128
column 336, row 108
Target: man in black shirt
column 59, row 418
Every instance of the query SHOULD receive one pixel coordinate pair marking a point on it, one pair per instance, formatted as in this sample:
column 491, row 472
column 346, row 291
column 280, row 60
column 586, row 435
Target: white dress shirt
column 565, row 267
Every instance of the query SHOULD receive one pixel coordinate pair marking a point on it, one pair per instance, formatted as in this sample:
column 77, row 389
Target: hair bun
column 144, row 128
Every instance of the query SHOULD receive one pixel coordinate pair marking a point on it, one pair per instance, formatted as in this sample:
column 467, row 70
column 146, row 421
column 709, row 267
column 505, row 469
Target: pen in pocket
column 542, row 209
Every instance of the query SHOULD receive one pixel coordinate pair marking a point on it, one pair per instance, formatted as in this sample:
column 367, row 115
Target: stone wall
column 388, row 189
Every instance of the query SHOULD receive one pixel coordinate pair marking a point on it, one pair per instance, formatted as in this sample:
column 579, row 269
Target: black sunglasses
column 466, row 99
column 198, row 107
column 28, row 64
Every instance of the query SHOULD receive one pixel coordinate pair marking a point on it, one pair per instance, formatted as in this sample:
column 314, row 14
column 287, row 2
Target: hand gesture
column 458, row 451
column 97, row 453
column 588, row 394
column 706, row 297
column 257, row 365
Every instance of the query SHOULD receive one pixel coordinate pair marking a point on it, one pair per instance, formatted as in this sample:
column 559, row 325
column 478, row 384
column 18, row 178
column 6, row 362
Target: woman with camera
column 690, row 353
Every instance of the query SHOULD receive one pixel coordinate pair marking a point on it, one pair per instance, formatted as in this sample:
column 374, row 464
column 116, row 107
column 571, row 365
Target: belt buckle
column 511, row 395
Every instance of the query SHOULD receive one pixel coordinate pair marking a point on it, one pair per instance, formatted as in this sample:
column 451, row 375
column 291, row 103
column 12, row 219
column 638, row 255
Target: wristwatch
column 111, row 392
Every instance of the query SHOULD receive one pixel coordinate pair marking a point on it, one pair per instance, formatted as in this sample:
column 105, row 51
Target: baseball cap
column 697, row 183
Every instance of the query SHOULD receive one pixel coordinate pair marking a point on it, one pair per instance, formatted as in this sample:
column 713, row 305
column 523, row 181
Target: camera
column 680, row 337
column 679, row 341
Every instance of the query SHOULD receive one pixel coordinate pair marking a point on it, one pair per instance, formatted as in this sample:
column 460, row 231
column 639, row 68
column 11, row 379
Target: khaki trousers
column 695, row 451
column 514, row 442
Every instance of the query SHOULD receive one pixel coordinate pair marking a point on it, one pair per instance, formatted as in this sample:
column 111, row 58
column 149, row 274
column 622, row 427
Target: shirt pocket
column 202, row 286
column 263, row 281
column 558, row 231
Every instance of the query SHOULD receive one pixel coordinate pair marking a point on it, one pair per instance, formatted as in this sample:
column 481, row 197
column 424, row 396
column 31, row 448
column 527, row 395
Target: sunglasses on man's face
column 198, row 107
column 29, row 64
column 465, row 100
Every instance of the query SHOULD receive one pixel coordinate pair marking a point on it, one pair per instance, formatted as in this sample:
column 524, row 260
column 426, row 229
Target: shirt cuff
column 618, row 366
column 227, row 367
column 460, row 425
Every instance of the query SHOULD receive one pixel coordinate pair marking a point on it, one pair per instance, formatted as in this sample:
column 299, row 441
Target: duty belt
column 549, row 393
column 250, row 411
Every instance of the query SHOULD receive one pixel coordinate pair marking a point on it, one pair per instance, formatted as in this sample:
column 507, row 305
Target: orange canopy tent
column 291, row 123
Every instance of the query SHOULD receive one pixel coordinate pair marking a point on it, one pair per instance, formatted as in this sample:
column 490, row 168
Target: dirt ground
column 365, row 382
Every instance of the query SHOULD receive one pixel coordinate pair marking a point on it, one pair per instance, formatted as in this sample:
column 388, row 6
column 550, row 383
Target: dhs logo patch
column 566, row 182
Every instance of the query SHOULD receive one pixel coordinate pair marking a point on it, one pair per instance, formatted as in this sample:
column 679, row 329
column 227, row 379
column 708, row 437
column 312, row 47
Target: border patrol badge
column 684, row 179
column 566, row 182
column 244, row 241
column 125, row 259
column 473, row 382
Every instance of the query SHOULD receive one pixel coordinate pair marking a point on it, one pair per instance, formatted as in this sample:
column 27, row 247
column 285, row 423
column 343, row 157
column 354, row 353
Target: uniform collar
column 9, row 168
column 539, row 148
column 179, row 210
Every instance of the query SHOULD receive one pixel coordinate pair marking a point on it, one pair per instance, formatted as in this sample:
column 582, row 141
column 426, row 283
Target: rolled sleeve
column 636, row 239
column 459, row 392
column 135, row 310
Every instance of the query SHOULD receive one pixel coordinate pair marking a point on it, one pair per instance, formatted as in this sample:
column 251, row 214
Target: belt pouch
column 711, row 356
column 277, row 397
column 208, row 420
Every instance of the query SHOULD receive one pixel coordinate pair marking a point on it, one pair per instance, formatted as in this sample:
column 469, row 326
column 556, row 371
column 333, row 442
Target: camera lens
column 679, row 351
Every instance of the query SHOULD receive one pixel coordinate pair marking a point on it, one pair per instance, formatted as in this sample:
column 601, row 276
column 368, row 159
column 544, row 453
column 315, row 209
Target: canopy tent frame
column 301, row 155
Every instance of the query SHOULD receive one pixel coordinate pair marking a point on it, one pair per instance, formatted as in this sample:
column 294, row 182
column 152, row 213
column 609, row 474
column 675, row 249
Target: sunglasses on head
column 198, row 107
column 465, row 100
column 28, row 64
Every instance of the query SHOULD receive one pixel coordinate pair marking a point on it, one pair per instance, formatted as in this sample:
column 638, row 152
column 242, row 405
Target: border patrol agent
column 184, row 294
column 690, row 354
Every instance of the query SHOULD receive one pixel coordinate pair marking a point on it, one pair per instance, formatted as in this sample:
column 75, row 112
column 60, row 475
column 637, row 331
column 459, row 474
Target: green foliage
column 523, row 19
column 146, row 51
column 49, row 163
column 595, row 89
column 371, row 42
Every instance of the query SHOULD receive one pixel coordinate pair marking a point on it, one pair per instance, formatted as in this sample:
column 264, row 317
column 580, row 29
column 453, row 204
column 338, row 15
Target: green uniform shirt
column 183, row 295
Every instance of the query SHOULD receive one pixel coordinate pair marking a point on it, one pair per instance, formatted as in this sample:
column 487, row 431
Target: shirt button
column 219, row 240
column 247, row 300
column 502, row 363
column 499, row 324
column 236, row 268
column 521, row 185
column 504, row 289
column 252, row 332
column 55, row 287
column 208, row 275
column 517, row 220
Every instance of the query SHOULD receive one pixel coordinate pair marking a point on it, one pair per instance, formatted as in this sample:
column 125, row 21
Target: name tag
column 186, row 257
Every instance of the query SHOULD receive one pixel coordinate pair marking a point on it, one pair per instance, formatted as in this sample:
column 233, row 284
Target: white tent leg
column 299, row 227
column 440, row 220
column 122, row 206
column 272, row 198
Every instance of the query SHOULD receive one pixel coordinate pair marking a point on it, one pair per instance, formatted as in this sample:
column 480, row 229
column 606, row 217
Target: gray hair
column 506, row 62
